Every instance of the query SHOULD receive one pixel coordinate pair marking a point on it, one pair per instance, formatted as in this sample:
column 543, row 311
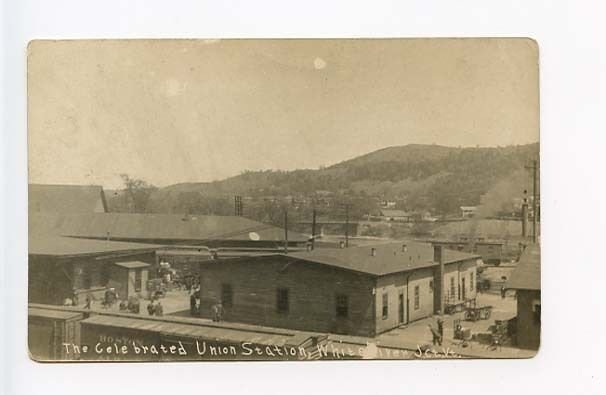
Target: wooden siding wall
column 404, row 283
column 46, row 337
column 312, row 294
column 457, row 272
column 49, row 281
column 529, row 329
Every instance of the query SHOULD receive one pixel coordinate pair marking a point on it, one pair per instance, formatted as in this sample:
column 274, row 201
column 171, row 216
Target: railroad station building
column 363, row 290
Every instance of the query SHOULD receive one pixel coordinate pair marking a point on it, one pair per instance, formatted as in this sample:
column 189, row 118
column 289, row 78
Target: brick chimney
column 438, row 292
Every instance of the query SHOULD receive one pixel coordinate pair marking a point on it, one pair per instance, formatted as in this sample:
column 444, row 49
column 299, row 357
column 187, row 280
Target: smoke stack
column 438, row 279
column 373, row 251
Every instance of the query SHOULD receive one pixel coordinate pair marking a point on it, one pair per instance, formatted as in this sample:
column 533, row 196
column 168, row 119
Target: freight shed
column 167, row 229
column 60, row 267
column 355, row 291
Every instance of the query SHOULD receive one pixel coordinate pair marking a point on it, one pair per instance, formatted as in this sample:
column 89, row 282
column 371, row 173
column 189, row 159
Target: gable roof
column 527, row 274
column 158, row 227
column 389, row 258
column 66, row 199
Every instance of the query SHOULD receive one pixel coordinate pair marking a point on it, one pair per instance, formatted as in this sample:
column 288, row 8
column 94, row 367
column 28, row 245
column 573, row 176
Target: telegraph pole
column 346, row 225
column 534, row 169
column 313, row 229
column 346, row 205
column 286, row 231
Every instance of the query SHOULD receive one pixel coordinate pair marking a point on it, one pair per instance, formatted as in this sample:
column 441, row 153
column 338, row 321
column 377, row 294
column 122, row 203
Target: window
column 227, row 295
column 282, row 302
column 385, row 305
column 342, row 306
column 452, row 287
column 471, row 281
column 417, row 297
column 430, row 286
column 138, row 280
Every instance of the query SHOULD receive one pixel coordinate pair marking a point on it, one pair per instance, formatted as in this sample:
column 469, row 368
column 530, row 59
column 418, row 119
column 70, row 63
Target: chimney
column 214, row 254
column 438, row 297
column 373, row 251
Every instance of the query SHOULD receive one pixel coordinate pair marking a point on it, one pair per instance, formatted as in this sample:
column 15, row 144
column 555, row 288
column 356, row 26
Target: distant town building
column 363, row 290
column 396, row 215
column 468, row 211
column 388, row 204
column 491, row 251
column 526, row 281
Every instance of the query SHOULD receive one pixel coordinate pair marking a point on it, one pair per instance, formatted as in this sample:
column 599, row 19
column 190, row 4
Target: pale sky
column 172, row 111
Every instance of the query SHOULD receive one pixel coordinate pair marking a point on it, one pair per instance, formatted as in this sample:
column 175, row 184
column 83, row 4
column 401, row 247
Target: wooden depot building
column 362, row 290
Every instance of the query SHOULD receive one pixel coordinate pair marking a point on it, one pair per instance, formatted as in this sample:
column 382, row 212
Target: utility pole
column 286, row 231
column 534, row 169
column 346, row 225
column 313, row 229
column 346, row 205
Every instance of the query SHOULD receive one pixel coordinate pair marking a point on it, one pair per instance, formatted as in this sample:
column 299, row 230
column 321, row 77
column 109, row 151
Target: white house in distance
column 468, row 211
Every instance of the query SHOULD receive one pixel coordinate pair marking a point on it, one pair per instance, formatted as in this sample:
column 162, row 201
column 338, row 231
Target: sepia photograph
column 283, row 199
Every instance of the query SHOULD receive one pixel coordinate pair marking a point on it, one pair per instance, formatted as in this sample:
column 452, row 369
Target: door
column 464, row 288
column 401, row 308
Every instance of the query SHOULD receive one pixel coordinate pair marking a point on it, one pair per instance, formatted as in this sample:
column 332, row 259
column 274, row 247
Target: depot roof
column 388, row 258
column 527, row 274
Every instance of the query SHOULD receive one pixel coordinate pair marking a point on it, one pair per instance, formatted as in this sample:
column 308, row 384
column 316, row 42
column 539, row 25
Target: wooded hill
column 419, row 177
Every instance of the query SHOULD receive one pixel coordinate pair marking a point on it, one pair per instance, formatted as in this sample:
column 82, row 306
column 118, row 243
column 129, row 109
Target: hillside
column 417, row 176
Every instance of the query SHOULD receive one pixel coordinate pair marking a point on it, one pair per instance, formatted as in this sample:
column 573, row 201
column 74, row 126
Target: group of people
column 437, row 333
column 195, row 305
column 155, row 307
